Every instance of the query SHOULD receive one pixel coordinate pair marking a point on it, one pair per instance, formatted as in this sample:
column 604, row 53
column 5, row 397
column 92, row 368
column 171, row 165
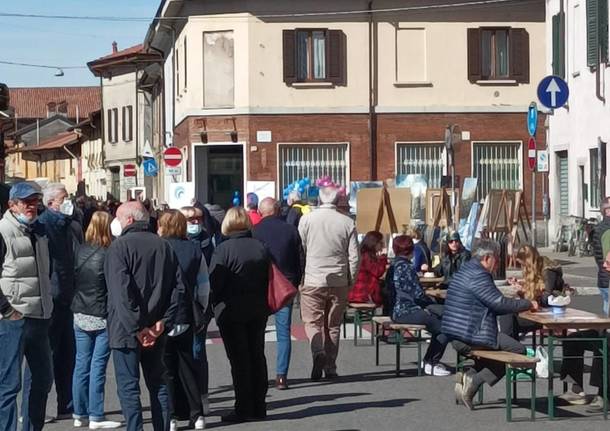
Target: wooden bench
column 384, row 323
column 515, row 364
column 362, row 312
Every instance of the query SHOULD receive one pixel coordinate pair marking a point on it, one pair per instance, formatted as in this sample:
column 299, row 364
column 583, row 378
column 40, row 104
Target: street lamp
column 59, row 72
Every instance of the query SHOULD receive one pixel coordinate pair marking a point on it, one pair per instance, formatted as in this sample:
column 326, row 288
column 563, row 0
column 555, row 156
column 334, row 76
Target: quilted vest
column 25, row 274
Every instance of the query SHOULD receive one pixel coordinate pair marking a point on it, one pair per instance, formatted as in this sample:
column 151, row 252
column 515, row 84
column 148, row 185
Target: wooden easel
column 385, row 205
column 443, row 210
column 520, row 225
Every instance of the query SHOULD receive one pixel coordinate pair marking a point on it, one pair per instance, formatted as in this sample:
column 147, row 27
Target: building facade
column 577, row 31
column 276, row 91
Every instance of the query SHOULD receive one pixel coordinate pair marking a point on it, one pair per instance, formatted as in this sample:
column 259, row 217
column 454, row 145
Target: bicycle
column 580, row 236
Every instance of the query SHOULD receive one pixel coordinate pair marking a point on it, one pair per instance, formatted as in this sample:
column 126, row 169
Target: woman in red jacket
column 373, row 266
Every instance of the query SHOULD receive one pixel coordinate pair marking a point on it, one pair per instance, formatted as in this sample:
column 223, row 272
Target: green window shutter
column 556, row 45
column 603, row 30
column 592, row 33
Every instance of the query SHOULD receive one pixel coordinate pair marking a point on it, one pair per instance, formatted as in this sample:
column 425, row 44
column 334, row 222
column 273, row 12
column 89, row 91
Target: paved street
column 372, row 398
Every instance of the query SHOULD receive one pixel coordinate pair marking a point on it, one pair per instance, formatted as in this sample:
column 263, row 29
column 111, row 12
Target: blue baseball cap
column 24, row 190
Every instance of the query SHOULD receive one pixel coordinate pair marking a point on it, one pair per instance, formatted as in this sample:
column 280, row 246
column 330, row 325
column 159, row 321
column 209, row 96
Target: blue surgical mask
column 193, row 229
column 23, row 219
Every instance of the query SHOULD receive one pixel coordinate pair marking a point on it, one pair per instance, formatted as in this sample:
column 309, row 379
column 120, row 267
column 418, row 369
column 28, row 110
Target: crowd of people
column 83, row 281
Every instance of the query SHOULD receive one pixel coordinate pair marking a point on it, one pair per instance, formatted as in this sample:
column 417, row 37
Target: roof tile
column 32, row 102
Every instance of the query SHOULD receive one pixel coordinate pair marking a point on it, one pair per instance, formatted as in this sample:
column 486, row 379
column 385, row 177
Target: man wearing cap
column 454, row 257
column 26, row 306
column 601, row 247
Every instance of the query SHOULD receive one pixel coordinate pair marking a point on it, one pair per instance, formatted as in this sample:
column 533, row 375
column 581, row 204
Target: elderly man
column 331, row 250
column 26, row 306
column 601, row 247
column 469, row 319
column 284, row 246
column 63, row 233
column 144, row 288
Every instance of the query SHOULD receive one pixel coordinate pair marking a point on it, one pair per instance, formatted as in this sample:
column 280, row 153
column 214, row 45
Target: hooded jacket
column 601, row 242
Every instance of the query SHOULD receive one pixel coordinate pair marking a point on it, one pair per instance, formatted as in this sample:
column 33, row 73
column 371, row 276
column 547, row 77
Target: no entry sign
column 129, row 170
column 531, row 154
column 172, row 157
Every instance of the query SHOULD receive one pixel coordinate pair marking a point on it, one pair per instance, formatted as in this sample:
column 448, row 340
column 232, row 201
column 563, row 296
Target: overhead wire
column 45, row 66
column 267, row 16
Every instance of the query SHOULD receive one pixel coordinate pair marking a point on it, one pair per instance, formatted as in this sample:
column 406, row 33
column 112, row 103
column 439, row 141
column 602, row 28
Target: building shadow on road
column 388, row 374
column 310, row 399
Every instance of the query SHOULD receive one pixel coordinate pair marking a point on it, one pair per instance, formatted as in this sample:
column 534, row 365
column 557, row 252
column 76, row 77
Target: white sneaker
column 437, row 370
column 104, row 425
column 205, row 403
column 80, row 423
column 200, row 423
column 173, row 425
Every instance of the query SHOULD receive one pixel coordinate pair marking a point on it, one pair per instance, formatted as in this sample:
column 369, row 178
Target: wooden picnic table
column 558, row 321
column 429, row 282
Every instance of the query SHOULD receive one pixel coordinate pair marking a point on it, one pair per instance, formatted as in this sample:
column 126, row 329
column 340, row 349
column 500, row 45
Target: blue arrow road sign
column 553, row 92
column 150, row 167
column 532, row 119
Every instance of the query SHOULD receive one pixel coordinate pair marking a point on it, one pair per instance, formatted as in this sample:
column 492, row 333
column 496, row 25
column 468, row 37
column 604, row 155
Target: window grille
column 313, row 161
column 562, row 167
column 424, row 159
column 497, row 167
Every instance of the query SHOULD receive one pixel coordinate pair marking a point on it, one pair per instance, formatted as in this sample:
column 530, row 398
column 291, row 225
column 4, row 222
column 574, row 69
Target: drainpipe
column 137, row 117
column 372, row 95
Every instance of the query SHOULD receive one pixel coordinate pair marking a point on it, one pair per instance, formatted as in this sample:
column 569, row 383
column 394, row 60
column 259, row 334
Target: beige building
column 277, row 91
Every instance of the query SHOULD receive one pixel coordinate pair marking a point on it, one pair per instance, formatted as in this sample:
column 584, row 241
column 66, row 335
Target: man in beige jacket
column 331, row 256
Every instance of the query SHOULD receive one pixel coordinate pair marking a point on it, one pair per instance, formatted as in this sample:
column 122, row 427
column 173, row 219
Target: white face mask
column 193, row 229
column 115, row 228
column 67, row 207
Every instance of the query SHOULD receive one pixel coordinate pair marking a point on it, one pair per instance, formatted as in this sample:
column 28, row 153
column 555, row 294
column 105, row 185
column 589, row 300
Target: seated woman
column 410, row 302
column 422, row 259
column 373, row 265
column 541, row 277
column 454, row 257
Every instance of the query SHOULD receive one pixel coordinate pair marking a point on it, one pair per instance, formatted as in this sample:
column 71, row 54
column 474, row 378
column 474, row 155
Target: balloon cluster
column 303, row 186
column 326, row 181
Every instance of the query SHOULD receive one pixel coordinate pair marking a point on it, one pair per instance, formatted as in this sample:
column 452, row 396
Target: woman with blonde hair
column 239, row 277
column 541, row 277
column 179, row 357
column 89, row 308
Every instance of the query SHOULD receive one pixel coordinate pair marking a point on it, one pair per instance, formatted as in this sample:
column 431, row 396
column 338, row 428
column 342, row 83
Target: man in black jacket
column 598, row 242
column 144, row 288
column 284, row 245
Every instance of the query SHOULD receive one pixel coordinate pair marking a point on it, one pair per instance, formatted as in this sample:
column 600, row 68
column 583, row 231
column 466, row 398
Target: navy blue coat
column 472, row 304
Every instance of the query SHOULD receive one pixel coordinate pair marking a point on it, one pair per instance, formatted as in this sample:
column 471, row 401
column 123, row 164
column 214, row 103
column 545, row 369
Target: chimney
column 114, row 47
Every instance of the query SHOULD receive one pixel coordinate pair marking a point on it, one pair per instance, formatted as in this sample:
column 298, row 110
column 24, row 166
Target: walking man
column 331, row 255
column 26, row 306
column 144, row 289
column 284, row 245
column 601, row 247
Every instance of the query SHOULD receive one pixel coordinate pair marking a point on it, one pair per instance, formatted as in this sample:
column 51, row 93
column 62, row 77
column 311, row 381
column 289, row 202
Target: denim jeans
column 11, row 336
column 283, row 320
column 38, row 377
column 604, row 293
column 92, row 354
column 127, row 369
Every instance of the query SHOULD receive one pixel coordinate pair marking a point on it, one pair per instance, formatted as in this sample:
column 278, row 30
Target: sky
column 58, row 42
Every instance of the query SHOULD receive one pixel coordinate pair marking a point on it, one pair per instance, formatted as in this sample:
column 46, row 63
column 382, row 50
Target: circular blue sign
column 553, row 92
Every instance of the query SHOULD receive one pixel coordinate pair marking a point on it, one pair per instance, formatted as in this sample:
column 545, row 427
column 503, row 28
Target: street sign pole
column 534, row 208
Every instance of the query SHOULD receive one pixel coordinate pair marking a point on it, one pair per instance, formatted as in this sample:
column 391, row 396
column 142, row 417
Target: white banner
column 181, row 194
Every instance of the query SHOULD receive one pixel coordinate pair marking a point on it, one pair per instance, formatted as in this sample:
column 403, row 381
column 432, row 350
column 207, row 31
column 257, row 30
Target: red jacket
column 255, row 217
column 366, row 288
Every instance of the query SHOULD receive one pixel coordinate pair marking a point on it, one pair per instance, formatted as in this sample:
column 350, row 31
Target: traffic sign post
column 150, row 167
column 532, row 119
column 129, row 170
column 172, row 157
column 531, row 161
column 553, row 92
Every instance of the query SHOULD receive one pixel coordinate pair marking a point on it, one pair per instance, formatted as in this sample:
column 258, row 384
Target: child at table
column 373, row 265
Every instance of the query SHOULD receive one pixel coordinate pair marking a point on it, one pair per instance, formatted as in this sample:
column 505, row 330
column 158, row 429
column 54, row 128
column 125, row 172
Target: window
column 218, row 69
column 594, row 171
column 497, row 167
column 559, row 44
column 313, row 161
column 185, row 57
column 562, row 169
column 127, row 125
column 498, row 54
column 597, row 32
column 425, row 159
column 314, row 55
column 411, row 55
column 113, row 126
